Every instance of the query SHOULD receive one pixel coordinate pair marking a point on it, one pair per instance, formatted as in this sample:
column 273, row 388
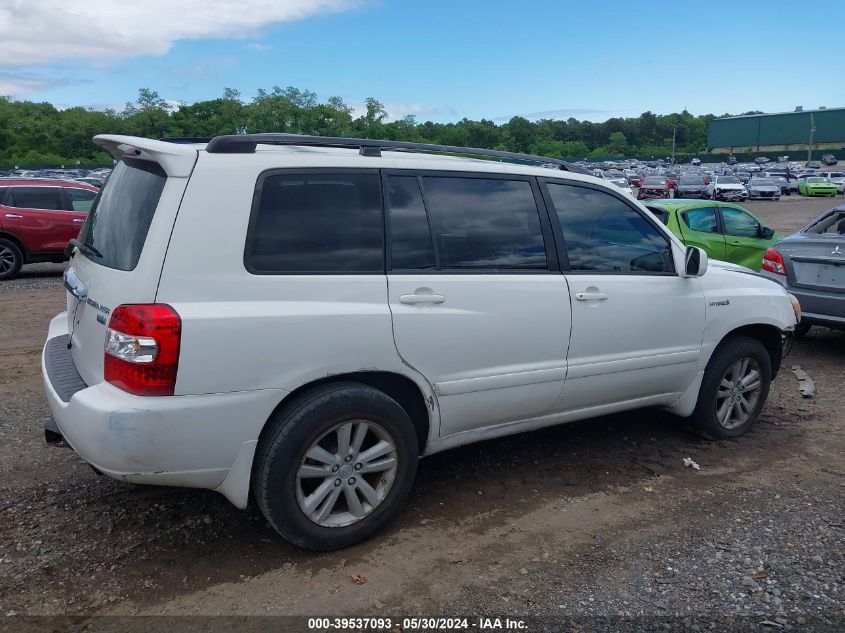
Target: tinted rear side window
column 410, row 239
column 321, row 223
column 49, row 198
column 120, row 218
column 485, row 223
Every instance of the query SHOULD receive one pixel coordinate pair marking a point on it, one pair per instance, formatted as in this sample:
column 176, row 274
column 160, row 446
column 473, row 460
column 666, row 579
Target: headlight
column 796, row 306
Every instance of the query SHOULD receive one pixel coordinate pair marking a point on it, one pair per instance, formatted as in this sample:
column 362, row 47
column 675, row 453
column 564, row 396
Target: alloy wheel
column 739, row 391
column 346, row 474
column 7, row 259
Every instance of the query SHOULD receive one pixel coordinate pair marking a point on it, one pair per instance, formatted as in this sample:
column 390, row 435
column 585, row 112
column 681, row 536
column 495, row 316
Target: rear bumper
column 192, row 441
column 817, row 308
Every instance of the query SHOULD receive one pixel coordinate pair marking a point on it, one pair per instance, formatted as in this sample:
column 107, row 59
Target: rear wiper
column 84, row 247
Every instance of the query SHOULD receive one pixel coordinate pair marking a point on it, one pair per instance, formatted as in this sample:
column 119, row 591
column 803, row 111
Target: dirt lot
column 598, row 518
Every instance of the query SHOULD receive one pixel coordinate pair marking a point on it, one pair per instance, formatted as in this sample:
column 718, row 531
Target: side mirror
column 695, row 262
column 767, row 232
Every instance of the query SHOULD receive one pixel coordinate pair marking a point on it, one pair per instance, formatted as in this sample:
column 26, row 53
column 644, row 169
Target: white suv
column 298, row 319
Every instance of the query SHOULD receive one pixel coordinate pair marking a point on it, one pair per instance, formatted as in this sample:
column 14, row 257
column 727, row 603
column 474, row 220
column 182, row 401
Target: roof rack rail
column 185, row 140
column 246, row 143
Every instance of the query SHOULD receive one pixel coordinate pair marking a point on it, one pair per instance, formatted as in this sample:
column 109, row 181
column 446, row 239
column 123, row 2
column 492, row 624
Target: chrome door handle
column 78, row 220
column 591, row 296
column 14, row 216
column 420, row 296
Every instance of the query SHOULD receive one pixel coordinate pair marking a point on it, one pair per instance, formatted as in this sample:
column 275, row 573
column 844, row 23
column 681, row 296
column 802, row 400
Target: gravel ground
column 577, row 523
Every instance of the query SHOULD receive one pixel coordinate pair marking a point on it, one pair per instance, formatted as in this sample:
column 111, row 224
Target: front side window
column 702, row 220
column 603, row 234
column 80, row 199
column 739, row 223
column 485, row 223
column 319, row 223
column 49, row 198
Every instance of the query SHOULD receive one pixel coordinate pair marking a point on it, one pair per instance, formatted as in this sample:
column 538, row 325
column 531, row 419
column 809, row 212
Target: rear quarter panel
column 243, row 331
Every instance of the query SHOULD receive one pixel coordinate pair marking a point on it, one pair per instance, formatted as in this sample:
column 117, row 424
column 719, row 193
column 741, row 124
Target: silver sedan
column 763, row 189
column 811, row 265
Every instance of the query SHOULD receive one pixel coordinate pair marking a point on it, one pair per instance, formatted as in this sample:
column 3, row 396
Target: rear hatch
column 124, row 241
column 816, row 263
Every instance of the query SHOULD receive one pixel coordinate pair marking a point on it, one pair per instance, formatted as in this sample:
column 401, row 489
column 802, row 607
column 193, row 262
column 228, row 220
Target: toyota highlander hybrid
column 302, row 334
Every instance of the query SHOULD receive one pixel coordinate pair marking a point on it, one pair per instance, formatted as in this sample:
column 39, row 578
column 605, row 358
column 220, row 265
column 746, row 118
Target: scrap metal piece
column 805, row 384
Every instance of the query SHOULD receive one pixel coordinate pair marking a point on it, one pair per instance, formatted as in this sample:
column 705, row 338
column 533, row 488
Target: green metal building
column 787, row 131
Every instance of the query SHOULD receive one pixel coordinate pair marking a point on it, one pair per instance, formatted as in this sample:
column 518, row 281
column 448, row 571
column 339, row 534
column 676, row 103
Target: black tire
column 12, row 259
column 703, row 419
column 291, row 433
column 802, row 329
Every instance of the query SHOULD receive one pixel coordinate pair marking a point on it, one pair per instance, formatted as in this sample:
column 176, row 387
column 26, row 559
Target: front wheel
column 335, row 466
column 734, row 389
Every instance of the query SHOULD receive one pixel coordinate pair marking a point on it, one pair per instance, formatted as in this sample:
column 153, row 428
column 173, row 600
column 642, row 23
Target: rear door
column 129, row 226
column 479, row 306
column 636, row 325
column 743, row 243
column 700, row 227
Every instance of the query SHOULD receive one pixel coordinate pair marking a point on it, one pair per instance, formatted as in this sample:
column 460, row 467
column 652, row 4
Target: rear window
column 121, row 215
column 317, row 223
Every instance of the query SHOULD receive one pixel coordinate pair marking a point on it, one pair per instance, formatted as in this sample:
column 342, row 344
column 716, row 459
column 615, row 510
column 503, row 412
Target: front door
column 636, row 325
column 478, row 303
column 744, row 245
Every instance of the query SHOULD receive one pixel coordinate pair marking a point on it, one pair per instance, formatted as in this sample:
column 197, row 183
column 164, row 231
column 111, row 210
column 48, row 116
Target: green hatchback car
column 816, row 186
column 724, row 230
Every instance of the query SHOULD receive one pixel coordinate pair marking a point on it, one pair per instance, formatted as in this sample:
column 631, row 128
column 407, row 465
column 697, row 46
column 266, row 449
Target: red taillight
column 142, row 349
column 773, row 262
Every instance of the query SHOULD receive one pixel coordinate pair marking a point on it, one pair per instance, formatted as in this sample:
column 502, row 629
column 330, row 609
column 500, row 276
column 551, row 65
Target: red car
column 653, row 187
column 37, row 220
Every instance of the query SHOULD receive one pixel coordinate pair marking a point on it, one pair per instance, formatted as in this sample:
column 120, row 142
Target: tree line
column 39, row 134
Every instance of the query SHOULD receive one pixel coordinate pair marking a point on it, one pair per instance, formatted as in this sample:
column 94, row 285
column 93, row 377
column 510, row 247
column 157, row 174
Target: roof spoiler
column 246, row 144
column 176, row 159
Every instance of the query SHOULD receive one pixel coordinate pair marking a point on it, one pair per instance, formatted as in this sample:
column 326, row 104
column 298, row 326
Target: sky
column 439, row 60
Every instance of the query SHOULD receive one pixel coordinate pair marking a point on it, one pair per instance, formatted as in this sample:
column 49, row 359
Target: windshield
column 763, row 182
column 816, row 179
column 654, row 181
column 118, row 223
column 728, row 180
column 691, row 181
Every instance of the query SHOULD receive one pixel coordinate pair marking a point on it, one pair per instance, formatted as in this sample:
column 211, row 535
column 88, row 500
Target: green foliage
column 37, row 134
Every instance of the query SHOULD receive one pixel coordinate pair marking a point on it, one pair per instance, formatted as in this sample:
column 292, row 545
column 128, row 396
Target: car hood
column 720, row 185
column 718, row 263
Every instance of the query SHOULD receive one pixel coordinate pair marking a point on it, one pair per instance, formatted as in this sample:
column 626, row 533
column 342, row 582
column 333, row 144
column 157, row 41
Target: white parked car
column 299, row 320
column 622, row 183
column 726, row 188
column 837, row 178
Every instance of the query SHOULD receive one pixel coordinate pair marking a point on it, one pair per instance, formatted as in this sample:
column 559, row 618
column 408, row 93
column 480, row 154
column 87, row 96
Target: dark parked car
column 761, row 160
column 37, row 220
column 653, row 187
column 813, row 164
column 829, row 159
column 811, row 265
column 731, row 160
column 691, row 187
